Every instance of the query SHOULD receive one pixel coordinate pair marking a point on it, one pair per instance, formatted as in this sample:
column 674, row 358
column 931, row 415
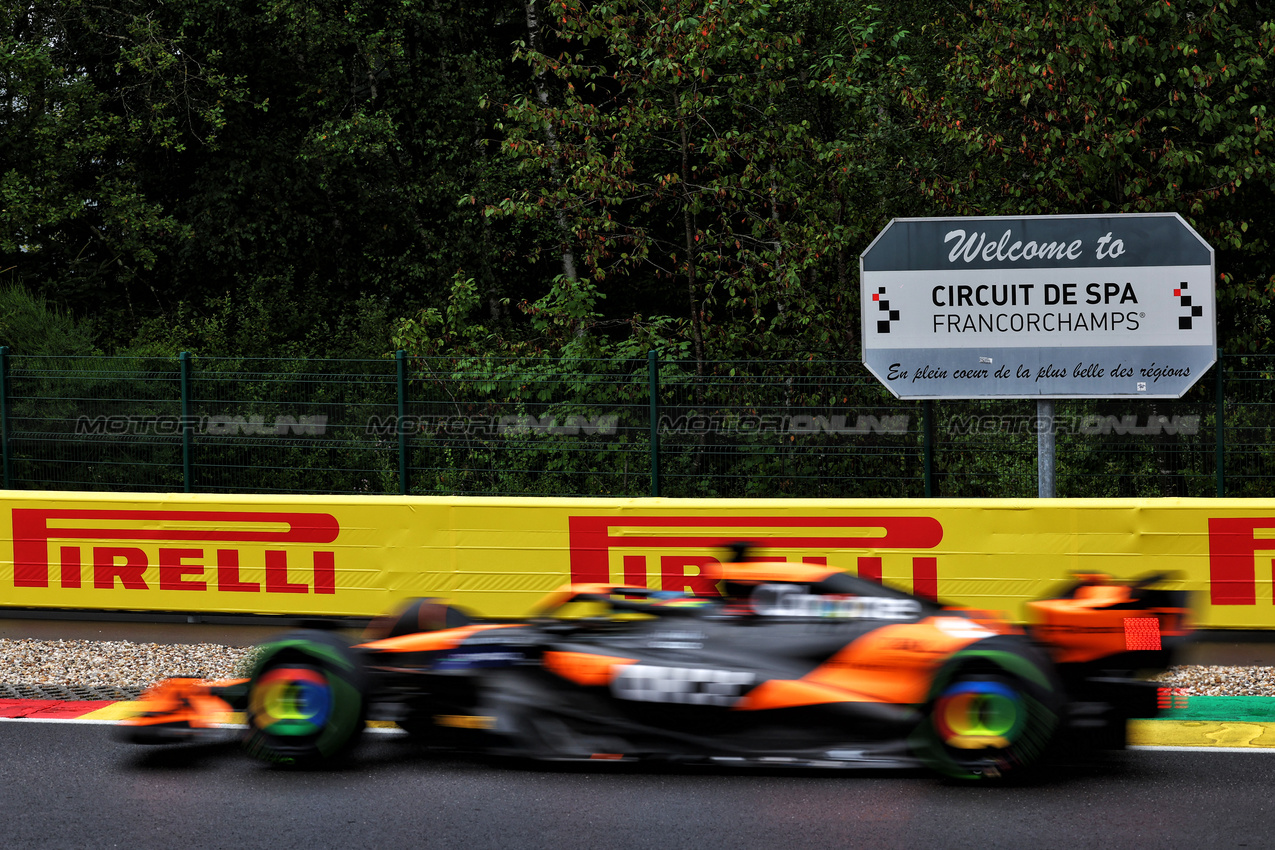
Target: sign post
column 1041, row 307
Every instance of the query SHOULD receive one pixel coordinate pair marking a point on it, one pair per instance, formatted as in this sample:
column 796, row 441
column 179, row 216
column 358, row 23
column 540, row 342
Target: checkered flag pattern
column 883, row 306
column 1193, row 312
column 688, row 685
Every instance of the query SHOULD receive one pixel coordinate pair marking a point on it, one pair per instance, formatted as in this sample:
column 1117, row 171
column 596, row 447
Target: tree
column 1110, row 107
column 258, row 173
column 87, row 92
column 678, row 153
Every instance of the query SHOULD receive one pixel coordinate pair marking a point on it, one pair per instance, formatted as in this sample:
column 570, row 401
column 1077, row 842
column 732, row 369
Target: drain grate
column 68, row 692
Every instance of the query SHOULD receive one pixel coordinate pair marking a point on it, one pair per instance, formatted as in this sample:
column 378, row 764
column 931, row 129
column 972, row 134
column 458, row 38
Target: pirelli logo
column 182, row 550
column 1237, row 545
column 679, row 553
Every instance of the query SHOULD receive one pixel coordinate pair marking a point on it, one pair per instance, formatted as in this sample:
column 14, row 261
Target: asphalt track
column 68, row 784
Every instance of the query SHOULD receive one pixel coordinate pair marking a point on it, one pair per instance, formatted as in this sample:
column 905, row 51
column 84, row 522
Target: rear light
column 1168, row 698
column 1141, row 633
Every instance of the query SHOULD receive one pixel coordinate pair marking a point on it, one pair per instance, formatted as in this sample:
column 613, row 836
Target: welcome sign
column 1039, row 307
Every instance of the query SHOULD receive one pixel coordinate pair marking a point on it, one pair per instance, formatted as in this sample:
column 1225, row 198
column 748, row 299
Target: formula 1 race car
column 795, row 664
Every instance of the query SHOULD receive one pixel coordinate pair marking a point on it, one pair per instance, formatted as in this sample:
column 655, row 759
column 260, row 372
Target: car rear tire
column 306, row 700
column 993, row 711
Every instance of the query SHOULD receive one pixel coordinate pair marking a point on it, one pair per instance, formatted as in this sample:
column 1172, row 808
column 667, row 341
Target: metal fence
column 490, row 426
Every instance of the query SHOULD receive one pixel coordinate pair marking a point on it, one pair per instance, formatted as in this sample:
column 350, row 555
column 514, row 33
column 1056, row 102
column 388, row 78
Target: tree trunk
column 542, row 95
column 692, row 284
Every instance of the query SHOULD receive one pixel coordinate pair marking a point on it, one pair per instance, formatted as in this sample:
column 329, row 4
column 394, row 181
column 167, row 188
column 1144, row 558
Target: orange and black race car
column 795, row 664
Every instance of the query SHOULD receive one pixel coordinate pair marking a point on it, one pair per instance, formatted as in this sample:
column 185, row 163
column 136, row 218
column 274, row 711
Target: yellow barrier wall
column 359, row 556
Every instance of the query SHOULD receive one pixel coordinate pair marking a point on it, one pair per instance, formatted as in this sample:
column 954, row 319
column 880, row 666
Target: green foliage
column 546, row 426
column 529, row 197
column 51, row 396
column 29, row 325
column 96, row 98
column 344, row 186
column 292, row 425
column 250, row 326
column 673, row 146
column 298, row 158
column 593, row 177
column 1112, row 107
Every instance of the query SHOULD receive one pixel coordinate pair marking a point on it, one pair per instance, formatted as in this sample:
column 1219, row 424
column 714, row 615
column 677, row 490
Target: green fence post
column 927, row 445
column 4, row 415
column 1219, row 426
column 187, row 425
column 400, row 362
column 653, row 387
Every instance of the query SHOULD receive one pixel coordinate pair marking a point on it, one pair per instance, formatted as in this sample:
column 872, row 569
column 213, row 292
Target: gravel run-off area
column 115, row 663
column 133, row 666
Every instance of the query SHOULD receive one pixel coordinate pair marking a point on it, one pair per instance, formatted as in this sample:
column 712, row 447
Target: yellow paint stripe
column 114, row 711
column 1202, row 733
column 123, row 710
